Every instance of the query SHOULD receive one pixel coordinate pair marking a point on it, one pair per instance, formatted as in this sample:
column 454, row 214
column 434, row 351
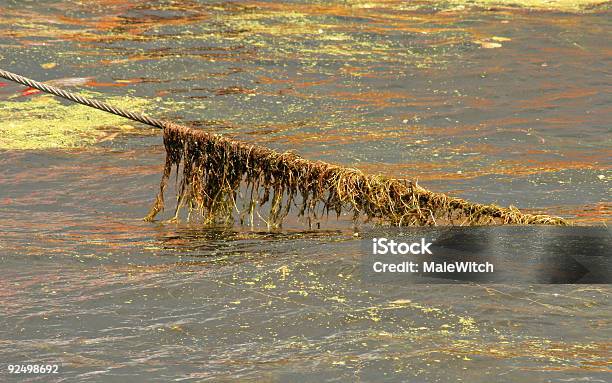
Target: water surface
column 496, row 105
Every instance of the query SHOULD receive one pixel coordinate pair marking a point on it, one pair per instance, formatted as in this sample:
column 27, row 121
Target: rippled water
column 498, row 104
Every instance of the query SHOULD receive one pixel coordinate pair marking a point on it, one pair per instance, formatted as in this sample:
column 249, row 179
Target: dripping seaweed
column 213, row 169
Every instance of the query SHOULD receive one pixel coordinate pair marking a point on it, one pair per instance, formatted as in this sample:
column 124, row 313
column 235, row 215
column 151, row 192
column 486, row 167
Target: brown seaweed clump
column 217, row 172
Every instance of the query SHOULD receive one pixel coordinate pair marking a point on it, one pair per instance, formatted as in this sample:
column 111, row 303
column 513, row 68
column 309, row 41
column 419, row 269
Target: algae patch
column 548, row 5
column 46, row 123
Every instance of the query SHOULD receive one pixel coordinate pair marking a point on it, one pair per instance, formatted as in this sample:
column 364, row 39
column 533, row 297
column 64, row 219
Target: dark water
column 499, row 105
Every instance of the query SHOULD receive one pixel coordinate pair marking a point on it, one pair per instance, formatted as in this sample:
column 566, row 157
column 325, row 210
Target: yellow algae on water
column 284, row 271
column 554, row 5
column 400, row 302
column 44, row 122
column 468, row 325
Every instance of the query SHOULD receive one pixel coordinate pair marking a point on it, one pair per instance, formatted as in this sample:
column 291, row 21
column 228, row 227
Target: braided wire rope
column 83, row 100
